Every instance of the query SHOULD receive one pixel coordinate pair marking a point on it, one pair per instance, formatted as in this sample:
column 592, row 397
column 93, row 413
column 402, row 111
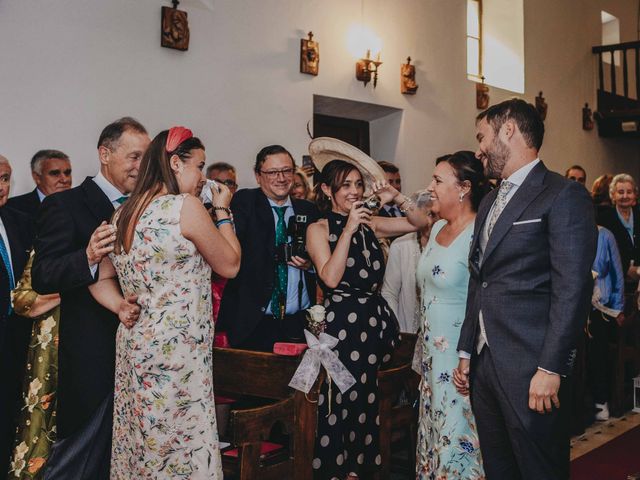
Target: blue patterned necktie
column 7, row 265
column 279, row 295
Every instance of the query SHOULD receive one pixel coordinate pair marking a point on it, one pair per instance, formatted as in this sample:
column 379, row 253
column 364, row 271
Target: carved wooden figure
column 482, row 95
column 587, row 118
column 541, row 106
column 408, row 84
column 309, row 55
column 175, row 28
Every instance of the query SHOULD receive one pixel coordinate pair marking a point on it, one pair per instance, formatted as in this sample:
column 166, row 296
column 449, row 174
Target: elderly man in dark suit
column 16, row 236
column 73, row 237
column 533, row 246
column 265, row 303
column 51, row 172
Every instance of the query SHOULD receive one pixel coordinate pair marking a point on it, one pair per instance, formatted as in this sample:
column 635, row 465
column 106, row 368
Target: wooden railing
column 623, row 48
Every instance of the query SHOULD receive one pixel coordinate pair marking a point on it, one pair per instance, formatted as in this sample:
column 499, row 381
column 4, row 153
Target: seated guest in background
column 607, row 312
column 51, row 171
column 224, row 173
column 300, row 188
column 16, row 237
column 266, row 301
column 166, row 246
column 600, row 190
column 399, row 286
column 73, row 237
column 392, row 176
column 36, row 429
column 446, row 425
column 577, row 174
column 623, row 220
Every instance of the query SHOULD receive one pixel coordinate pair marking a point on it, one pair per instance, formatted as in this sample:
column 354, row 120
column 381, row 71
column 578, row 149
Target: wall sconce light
column 366, row 68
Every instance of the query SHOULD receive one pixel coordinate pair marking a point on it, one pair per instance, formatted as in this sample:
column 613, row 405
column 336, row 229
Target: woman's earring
column 461, row 196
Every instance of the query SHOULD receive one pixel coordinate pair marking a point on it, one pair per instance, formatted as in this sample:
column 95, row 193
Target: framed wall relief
column 408, row 84
column 175, row 28
column 309, row 55
column 482, row 95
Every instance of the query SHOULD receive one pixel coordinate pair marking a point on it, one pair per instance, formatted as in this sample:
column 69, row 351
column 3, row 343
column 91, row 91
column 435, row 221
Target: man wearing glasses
column 265, row 303
column 51, row 171
column 223, row 172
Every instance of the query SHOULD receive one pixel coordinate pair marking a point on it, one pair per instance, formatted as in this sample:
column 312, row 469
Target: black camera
column 297, row 234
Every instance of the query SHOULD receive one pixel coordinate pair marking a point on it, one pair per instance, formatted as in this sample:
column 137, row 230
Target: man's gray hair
column 42, row 155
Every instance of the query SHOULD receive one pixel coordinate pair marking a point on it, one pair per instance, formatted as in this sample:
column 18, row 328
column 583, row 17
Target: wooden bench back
column 258, row 374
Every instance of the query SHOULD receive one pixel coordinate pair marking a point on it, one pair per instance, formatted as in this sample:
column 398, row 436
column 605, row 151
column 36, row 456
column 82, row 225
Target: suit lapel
column 15, row 246
column 264, row 216
column 97, row 202
column 526, row 193
column 481, row 218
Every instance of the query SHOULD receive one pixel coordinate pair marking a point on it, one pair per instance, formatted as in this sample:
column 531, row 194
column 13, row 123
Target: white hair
column 620, row 178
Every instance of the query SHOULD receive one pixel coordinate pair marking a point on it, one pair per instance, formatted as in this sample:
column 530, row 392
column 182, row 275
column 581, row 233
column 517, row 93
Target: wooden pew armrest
column 254, row 424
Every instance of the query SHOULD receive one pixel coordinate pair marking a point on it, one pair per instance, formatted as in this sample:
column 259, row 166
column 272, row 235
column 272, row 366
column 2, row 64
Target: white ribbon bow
column 320, row 353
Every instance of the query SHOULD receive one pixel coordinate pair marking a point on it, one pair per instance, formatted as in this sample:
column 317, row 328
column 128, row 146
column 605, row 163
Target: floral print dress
column 448, row 445
column 36, row 430
column 164, row 423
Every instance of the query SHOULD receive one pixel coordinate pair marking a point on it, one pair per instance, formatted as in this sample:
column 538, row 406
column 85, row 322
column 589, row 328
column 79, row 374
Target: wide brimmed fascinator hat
column 325, row 149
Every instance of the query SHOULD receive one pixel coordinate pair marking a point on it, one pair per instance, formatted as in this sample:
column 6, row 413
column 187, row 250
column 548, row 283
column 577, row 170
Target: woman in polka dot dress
column 350, row 264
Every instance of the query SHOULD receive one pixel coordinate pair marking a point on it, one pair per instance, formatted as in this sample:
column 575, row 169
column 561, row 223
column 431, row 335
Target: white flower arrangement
column 316, row 319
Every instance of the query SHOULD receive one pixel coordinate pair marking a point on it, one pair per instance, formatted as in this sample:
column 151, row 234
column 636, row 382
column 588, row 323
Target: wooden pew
column 239, row 373
column 397, row 377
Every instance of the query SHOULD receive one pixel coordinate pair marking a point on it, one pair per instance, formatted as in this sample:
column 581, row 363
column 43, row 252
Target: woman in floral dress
column 448, row 445
column 166, row 245
column 37, row 422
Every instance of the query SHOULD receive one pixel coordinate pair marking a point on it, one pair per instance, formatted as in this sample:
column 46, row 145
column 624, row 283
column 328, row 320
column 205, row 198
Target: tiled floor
column 601, row 432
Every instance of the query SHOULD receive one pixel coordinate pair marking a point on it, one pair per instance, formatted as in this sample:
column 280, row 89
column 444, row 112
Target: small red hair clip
column 176, row 136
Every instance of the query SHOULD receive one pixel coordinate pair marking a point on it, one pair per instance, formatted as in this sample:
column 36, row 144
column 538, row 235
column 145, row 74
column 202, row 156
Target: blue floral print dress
column 164, row 423
column 448, row 444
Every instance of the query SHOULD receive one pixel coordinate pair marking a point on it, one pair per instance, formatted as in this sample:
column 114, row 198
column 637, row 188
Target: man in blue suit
column 529, row 293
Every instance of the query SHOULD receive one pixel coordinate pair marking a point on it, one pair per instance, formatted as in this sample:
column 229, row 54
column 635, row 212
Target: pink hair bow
column 176, row 136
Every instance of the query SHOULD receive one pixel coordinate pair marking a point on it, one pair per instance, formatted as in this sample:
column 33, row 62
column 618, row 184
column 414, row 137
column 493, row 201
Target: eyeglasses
column 229, row 183
column 272, row 174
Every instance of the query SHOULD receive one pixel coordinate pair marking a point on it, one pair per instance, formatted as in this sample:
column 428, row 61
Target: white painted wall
column 68, row 67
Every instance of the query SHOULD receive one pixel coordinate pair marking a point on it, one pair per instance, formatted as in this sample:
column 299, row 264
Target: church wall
column 69, row 67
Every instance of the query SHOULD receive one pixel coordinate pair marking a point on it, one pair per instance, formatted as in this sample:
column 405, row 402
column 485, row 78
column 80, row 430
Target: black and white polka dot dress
column 367, row 329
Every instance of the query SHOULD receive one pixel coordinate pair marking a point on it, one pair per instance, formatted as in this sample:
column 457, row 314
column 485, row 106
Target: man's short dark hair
column 575, row 167
column 388, row 167
column 221, row 166
column 42, row 155
column 111, row 134
column 522, row 113
column 270, row 150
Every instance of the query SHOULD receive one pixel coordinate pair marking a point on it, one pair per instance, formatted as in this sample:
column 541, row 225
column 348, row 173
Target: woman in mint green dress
column 448, row 444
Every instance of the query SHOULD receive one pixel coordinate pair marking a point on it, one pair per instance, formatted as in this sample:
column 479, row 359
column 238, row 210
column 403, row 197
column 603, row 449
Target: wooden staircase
column 618, row 114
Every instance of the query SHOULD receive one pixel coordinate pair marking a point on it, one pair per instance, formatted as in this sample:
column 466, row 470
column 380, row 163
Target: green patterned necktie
column 279, row 295
column 121, row 200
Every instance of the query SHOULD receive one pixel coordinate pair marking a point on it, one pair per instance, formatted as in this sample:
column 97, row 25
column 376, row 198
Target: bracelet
column 223, row 221
column 227, row 210
column 410, row 204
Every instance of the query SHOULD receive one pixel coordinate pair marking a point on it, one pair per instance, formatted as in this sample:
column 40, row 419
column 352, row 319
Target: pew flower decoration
column 318, row 354
column 315, row 319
